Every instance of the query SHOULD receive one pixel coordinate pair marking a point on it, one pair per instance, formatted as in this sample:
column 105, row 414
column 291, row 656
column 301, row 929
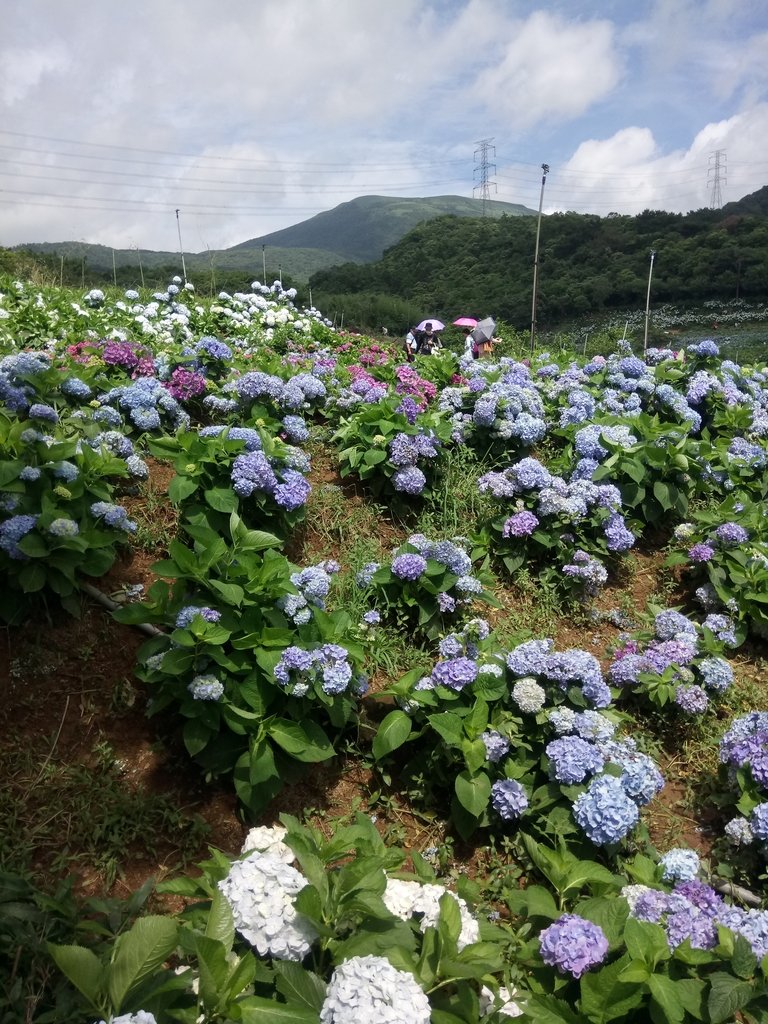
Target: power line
column 343, row 167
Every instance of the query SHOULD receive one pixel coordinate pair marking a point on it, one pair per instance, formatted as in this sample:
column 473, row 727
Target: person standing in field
column 411, row 344
column 428, row 343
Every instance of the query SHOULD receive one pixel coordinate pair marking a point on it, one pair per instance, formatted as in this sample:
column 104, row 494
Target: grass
column 155, row 517
column 56, row 817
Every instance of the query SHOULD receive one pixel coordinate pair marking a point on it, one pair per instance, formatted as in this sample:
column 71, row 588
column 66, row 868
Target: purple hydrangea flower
column 701, row 553
column 455, row 673
column 692, row 699
column 730, row 534
column 409, row 480
column 573, row 945
column 521, row 524
column 409, row 566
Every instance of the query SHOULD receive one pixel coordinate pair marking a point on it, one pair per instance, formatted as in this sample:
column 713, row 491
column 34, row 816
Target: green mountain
column 364, row 227
column 353, row 232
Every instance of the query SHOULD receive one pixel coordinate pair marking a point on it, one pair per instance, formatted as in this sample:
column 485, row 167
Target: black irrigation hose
column 107, row 602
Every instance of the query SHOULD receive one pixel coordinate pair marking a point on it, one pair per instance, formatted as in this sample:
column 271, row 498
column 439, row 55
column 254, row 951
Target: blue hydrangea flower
column 529, row 658
column 496, row 745
column 605, row 812
column 680, row 865
column 716, row 673
column 508, row 799
column 759, row 821
column 572, row 759
column 113, row 515
column 409, row 480
column 187, row 615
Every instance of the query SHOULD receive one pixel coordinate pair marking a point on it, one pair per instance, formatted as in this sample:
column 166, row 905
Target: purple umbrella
column 437, row 325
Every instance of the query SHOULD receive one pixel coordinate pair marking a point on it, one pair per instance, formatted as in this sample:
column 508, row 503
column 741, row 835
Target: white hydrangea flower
column 369, row 990
column 269, row 840
column 260, row 890
column 404, row 899
column 140, row 1017
column 502, row 1002
column 528, row 695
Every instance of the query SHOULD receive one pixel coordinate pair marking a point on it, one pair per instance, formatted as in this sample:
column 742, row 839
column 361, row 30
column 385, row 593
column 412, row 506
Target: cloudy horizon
column 113, row 117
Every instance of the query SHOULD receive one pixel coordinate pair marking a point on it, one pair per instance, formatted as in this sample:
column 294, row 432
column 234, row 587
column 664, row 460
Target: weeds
column 51, row 820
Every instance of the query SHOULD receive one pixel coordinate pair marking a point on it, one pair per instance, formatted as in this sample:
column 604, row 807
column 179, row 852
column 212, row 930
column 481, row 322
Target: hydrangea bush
column 524, row 740
column 427, row 585
column 263, row 678
column 394, row 455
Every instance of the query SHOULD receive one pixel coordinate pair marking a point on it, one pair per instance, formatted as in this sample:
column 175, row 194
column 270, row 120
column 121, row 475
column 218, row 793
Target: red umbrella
column 465, row 321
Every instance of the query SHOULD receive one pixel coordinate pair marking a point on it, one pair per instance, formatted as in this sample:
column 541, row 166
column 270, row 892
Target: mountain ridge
column 365, row 227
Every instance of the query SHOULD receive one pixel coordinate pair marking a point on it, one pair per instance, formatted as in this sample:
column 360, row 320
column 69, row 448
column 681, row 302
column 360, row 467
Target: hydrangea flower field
column 515, row 609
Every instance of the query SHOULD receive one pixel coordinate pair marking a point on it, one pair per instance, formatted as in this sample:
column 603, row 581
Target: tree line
column 587, row 265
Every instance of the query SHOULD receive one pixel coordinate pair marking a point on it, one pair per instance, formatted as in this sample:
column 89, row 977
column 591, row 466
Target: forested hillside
column 588, row 264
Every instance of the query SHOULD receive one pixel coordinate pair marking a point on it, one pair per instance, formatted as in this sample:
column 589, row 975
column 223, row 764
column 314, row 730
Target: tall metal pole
column 264, row 262
column 648, row 303
column 545, row 171
column 141, row 269
column 181, row 249
column 114, row 269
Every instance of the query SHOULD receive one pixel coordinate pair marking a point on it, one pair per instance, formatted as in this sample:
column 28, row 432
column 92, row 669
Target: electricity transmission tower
column 717, row 173
column 483, row 169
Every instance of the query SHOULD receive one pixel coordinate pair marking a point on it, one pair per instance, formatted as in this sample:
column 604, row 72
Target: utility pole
column 114, row 269
column 264, row 263
column 141, row 269
column 483, row 168
column 544, row 173
column 181, row 249
column 717, row 173
column 648, row 303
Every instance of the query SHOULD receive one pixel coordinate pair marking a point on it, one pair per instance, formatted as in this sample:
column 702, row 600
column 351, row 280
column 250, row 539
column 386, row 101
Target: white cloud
column 552, row 70
column 252, row 117
column 22, row 71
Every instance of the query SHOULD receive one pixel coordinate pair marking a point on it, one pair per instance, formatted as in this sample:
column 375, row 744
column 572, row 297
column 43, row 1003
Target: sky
column 249, row 117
